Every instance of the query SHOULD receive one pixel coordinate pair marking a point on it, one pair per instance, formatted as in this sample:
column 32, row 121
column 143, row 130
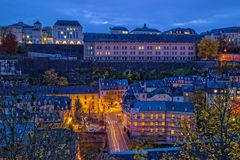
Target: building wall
column 157, row 123
column 121, row 51
column 67, row 34
column 88, row 100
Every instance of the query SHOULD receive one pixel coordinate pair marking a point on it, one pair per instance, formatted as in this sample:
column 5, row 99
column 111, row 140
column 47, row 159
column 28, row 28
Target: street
column 117, row 139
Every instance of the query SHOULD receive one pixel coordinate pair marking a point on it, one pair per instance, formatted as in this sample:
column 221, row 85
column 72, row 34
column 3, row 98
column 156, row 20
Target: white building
column 25, row 33
column 67, row 32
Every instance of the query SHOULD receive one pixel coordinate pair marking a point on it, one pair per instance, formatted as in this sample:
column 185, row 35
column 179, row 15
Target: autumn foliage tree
column 52, row 78
column 207, row 48
column 9, row 43
column 217, row 132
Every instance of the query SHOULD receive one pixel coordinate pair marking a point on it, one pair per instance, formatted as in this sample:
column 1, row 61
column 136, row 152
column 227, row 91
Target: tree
column 110, row 101
column 20, row 137
column 9, row 43
column 51, row 78
column 217, row 133
column 207, row 48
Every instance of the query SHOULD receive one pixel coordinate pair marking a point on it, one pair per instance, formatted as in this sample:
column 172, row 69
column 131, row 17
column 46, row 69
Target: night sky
column 99, row 15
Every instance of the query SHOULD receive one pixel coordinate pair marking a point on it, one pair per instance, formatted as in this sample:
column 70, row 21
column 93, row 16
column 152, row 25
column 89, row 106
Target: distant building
column 67, row 32
column 115, row 88
column 119, row 30
column 25, row 33
column 47, row 37
column 145, row 30
column 181, row 31
column 231, row 34
column 140, row 47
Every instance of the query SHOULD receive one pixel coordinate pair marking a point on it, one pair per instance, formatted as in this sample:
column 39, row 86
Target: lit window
column 163, row 130
column 163, row 123
column 156, row 123
column 151, row 123
column 151, row 130
column 135, row 116
column 65, row 37
column 135, row 123
column 182, row 117
column 62, row 32
column 158, row 47
column 156, row 116
column 173, row 124
column 143, row 116
column 151, row 116
column 163, row 116
column 156, row 130
column 142, row 130
column 172, row 132
column 173, row 116
column 143, row 123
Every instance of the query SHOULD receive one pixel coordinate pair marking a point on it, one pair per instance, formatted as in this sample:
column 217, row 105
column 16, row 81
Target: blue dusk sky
column 99, row 15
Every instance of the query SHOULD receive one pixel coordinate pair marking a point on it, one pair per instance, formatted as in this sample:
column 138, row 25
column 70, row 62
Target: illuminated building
column 87, row 96
column 116, row 88
column 67, row 32
column 145, row 30
column 119, row 30
column 140, row 47
column 230, row 34
column 157, row 118
column 47, row 37
column 186, row 31
column 25, row 33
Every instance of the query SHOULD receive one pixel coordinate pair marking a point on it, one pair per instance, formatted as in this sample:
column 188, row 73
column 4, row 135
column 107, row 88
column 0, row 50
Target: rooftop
column 104, row 37
column 119, row 28
column 163, row 106
column 145, row 29
column 67, row 22
column 181, row 31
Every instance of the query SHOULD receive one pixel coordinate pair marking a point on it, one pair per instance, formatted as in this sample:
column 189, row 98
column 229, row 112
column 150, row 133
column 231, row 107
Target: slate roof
column 116, row 28
column 37, row 22
column 111, row 83
column 43, row 90
column 20, row 131
column 180, row 31
column 105, row 37
column 224, row 30
column 67, row 23
column 164, row 106
column 21, row 24
column 156, row 91
column 145, row 29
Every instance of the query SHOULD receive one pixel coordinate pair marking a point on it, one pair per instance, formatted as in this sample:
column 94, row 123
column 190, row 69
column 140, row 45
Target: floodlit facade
column 158, row 118
column 26, row 34
column 67, row 32
column 131, row 47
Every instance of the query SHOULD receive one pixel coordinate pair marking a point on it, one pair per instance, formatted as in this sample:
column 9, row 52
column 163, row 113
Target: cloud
column 197, row 21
